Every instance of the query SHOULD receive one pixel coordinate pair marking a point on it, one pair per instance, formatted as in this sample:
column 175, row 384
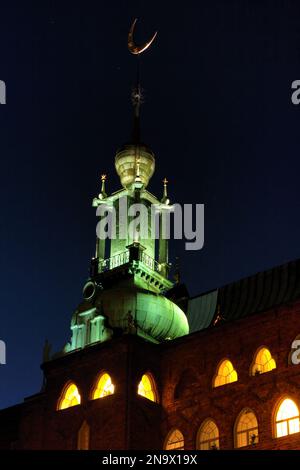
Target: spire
column 134, row 161
column 136, row 95
column 103, row 194
column 165, row 199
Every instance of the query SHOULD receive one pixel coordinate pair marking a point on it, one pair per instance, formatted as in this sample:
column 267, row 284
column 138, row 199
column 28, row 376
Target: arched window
column 175, row 440
column 246, row 429
column 287, row 418
column 226, row 374
column 146, row 387
column 70, row 397
column 263, row 362
column 104, row 387
column 208, row 436
column 83, row 438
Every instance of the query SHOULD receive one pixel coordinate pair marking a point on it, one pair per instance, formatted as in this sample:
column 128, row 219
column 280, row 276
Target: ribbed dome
column 156, row 316
column 126, row 164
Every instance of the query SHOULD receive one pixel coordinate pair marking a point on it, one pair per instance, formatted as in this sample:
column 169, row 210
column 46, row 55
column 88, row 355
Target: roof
column 254, row 294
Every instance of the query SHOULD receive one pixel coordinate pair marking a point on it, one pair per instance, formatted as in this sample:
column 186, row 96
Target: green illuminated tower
column 126, row 291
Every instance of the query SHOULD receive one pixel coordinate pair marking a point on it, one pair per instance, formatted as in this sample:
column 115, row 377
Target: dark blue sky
column 218, row 115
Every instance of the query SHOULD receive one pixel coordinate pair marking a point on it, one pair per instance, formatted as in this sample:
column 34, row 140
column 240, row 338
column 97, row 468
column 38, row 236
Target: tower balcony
column 132, row 262
column 124, row 258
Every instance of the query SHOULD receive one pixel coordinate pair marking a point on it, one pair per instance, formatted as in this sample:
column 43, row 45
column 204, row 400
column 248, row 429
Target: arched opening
column 208, row 436
column 263, row 362
column 147, row 387
column 287, row 418
column 70, row 397
column 174, row 440
column 226, row 374
column 246, row 429
column 83, row 438
column 104, row 386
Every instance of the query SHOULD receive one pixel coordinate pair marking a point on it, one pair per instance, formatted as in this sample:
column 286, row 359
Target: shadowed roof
column 254, row 294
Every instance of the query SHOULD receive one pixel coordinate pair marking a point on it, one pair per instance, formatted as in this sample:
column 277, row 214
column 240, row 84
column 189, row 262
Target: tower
column 125, row 293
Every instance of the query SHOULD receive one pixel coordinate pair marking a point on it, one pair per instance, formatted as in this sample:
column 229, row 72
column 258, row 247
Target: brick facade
column 183, row 370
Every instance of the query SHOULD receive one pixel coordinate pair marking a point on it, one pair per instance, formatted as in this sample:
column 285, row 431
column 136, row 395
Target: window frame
column 247, row 431
column 96, row 382
column 63, row 393
column 217, row 374
column 153, row 387
column 254, row 361
column 275, row 412
column 202, row 425
column 171, row 431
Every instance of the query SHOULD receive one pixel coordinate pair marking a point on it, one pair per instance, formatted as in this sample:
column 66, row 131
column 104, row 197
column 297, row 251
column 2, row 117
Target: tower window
column 146, row 388
column 104, row 387
column 175, row 440
column 70, row 397
column 263, row 362
column 287, row 418
column 226, row 374
column 83, row 440
column 208, row 436
column 246, row 429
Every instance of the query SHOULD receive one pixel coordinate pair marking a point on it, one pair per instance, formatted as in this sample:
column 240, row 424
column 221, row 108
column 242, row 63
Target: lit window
column 246, row 429
column 175, row 440
column 287, row 418
column 146, row 388
column 263, row 362
column 70, row 397
column 104, row 387
column 83, row 441
column 226, row 374
column 208, row 436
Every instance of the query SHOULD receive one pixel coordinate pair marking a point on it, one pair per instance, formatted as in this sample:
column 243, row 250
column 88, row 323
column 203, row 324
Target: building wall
column 183, row 371
column 190, row 365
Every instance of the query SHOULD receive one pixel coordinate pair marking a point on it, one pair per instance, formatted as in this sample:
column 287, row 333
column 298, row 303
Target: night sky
column 217, row 113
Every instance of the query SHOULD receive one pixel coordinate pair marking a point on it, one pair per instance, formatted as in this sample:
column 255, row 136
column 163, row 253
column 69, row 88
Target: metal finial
column 134, row 48
column 103, row 194
column 137, row 95
column 165, row 199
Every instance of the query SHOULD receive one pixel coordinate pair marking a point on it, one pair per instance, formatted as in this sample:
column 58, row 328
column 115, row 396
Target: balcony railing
column 124, row 257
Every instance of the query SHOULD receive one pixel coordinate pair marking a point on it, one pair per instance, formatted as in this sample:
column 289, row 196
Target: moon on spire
column 133, row 48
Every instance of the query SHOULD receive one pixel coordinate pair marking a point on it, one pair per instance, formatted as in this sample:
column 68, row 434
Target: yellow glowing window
column 104, row 387
column 226, row 374
column 83, row 438
column 287, row 418
column 70, row 397
column 175, row 440
column 208, row 436
column 263, row 362
column 146, row 388
column 246, row 429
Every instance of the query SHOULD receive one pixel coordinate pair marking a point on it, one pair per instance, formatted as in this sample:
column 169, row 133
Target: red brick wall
column 187, row 365
column 199, row 355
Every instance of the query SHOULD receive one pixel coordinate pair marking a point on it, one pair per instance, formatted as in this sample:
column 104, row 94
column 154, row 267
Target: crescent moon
column 133, row 48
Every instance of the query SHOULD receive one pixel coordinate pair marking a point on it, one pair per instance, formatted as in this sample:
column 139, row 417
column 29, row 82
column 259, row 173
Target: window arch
column 263, row 362
column 174, row 440
column 226, row 374
column 83, row 438
column 147, row 388
column 287, row 418
column 208, row 436
column 70, row 397
column 104, row 386
column 246, row 429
